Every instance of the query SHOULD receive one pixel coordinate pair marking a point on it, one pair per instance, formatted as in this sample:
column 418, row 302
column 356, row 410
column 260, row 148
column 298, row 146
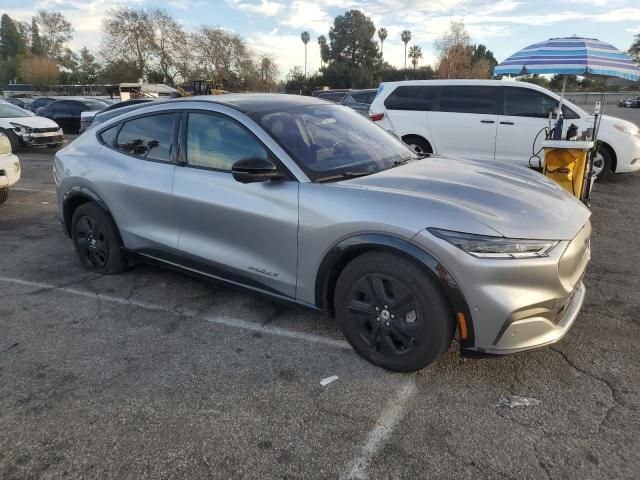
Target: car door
column 133, row 174
column 60, row 113
column 464, row 122
column 247, row 232
column 524, row 117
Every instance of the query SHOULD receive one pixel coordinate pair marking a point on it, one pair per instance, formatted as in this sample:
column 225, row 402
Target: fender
column 345, row 250
column 75, row 194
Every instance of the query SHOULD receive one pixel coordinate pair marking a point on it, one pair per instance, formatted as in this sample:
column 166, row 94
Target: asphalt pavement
column 154, row 374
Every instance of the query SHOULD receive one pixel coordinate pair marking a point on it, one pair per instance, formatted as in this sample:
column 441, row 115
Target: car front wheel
column 96, row 240
column 392, row 312
column 4, row 195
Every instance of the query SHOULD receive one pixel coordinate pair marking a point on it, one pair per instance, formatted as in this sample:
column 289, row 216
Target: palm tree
column 382, row 35
column 304, row 36
column 405, row 36
column 415, row 54
column 322, row 41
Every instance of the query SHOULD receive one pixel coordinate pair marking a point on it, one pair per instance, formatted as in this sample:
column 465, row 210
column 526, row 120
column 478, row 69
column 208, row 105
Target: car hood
column 34, row 122
column 514, row 201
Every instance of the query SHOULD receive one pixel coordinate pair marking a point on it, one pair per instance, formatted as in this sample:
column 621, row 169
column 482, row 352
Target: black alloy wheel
column 392, row 312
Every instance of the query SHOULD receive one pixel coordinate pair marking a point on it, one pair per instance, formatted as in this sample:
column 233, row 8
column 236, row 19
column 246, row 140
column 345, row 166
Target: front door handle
column 487, row 121
column 507, row 123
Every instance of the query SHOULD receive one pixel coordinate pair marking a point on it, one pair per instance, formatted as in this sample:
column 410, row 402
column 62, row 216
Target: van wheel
column 602, row 163
column 4, row 194
column 418, row 144
column 392, row 312
column 95, row 238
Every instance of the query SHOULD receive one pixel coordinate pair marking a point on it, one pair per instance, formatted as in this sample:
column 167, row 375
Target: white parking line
column 217, row 319
column 20, row 189
column 385, row 425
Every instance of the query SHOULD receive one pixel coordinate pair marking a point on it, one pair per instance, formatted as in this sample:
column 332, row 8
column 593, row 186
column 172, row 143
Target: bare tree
column 405, row 36
column 40, row 71
column 382, row 35
column 455, row 55
column 222, row 55
column 170, row 46
column 128, row 35
column 55, row 32
column 268, row 72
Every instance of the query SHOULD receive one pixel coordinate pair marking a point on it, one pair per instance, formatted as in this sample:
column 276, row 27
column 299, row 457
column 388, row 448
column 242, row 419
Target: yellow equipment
column 566, row 163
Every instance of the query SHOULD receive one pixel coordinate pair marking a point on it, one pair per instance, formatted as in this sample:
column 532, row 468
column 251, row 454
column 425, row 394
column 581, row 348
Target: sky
column 274, row 26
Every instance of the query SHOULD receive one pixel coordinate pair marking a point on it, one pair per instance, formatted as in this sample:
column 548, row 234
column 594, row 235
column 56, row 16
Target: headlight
column 483, row 246
column 626, row 129
column 23, row 128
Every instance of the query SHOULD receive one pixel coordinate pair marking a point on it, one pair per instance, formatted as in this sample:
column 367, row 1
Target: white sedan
column 24, row 128
column 9, row 167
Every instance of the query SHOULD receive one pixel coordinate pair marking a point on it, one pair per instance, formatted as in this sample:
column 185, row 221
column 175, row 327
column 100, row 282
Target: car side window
column 469, row 99
column 217, row 142
column 525, row 102
column 149, row 137
column 414, row 97
column 108, row 136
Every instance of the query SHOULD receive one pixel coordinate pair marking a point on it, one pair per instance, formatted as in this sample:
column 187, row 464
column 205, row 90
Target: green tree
column 405, row 36
column 353, row 51
column 11, row 42
column 480, row 53
column 382, row 35
column 535, row 79
column 120, row 71
column 325, row 52
column 634, row 49
column 304, row 36
column 88, row 68
column 415, row 54
column 557, row 81
column 37, row 48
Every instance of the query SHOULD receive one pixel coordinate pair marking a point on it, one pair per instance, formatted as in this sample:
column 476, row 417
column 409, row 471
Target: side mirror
column 250, row 170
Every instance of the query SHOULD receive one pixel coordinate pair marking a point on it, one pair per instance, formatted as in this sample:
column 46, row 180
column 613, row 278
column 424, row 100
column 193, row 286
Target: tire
column 603, row 163
column 414, row 329
column 96, row 240
column 13, row 139
column 4, row 195
column 418, row 144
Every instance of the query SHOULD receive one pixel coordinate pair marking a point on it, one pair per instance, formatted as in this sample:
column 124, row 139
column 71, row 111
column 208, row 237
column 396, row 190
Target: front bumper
column 40, row 138
column 9, row 170
column 519, row 304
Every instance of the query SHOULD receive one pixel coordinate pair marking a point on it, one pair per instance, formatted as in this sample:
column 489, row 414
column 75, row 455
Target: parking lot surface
column 153, row 374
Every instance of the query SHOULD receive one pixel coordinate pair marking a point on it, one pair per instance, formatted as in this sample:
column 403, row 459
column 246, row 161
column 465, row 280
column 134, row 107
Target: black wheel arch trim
column 346, row 249
column 74, row 193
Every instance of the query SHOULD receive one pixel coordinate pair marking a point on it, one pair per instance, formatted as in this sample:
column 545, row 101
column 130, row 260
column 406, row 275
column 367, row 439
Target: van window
column 412, row 97
column 469, row 99
column 525, row 102
column 149, row 137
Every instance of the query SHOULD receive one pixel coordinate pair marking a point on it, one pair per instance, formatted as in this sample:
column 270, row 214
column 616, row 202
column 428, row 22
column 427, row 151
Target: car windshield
column 333, row 142
column 11, row 111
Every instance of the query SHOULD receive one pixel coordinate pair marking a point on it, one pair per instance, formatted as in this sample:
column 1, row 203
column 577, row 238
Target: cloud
column 262, row 7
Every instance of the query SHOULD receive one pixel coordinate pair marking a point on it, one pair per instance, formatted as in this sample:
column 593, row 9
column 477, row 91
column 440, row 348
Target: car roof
column 257, row 102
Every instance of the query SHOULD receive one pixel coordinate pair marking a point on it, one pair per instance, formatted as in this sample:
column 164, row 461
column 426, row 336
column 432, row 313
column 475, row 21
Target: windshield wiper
column 343, row 176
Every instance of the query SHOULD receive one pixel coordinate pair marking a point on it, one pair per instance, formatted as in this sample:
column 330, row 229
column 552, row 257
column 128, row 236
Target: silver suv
column 312, row 203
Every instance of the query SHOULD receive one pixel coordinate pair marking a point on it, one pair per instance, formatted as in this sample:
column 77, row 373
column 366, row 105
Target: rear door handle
column 487, row 121
column 507, row 123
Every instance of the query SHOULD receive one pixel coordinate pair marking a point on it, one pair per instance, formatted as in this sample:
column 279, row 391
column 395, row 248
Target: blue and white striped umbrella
column 571, row 55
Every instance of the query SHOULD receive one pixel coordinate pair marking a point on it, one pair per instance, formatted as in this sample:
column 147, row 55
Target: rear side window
column 363, row 97
column 108, row 137
column 333, row 97
column 149, row 137
column 469, row 99
column 412, row 98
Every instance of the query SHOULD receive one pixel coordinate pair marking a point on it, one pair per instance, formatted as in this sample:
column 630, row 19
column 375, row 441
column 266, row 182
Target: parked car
column 492, row 119
column 630, row 102
column 26, row 129
column 311, row 203
column 9, row 167
column 335, row 96
column 19, row 102
column 67, row 112
column 40, row 102
column 360, row 100
column 88, row 116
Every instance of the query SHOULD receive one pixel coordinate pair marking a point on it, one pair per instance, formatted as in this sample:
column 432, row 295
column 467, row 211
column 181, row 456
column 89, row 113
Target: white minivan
column 493, row 119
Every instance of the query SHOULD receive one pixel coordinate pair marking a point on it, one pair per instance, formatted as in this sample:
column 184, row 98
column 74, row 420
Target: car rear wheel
column 418, row 144
column 392, row 312
column 96, row 240
column 4, row 195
